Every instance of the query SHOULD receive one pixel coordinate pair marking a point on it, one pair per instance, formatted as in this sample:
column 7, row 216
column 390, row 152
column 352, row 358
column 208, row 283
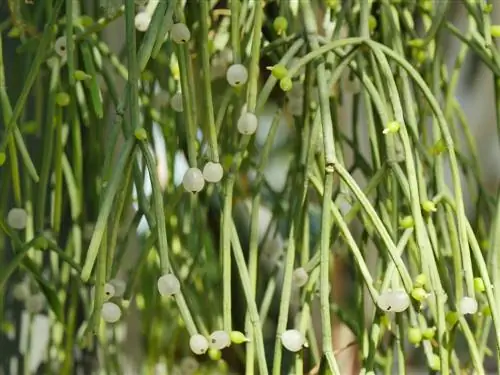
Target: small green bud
column 407, row 222
column 421, row 56
column 147, row 76
column 495, row 31
column 416, row 43
column 80, row 75
column 372, row 23
column 429, row 206
column 420, row 280
column 426, row 5
column 3, row 157
column 487, row 311
column 414, row 335
column 62, row 99
column 86, row 21
column 487, row 8
column 419, row 294
column 280, row 25
column 278, row 71
column 15, row 32
column 451, row 318
column 214, row 354
column 286, row 84
column 435, row 363
column 392, row 127
column 332, row 4
column 238, row 337
column 41, row 243
column 140, row 134
column 429, row 333
column 439, row 147
column 479, row 285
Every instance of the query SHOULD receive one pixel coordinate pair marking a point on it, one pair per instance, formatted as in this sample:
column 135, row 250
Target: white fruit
column 188, row 365
column 16, row 218
column 110, row 312
column 60, row 46
column 219, row 340
column 180, row 33
column 35, row 303
column 394, row 301
column 300, row 277
column 293, row 340
column 120, row 287
column 193, row 180
column 176, row 102
column 212, row 172
column 198, row 344
column 109, row 291
column 468, row 305
column 168, row 285
column 142, row 21
column 237, row 75
column 21, row 291
column 247, row 123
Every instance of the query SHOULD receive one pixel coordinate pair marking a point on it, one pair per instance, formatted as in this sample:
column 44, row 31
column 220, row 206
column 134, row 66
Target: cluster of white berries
column 218, row 340
column 110, row 311
column 34, row 303
column 293, row 340
column 194, row 179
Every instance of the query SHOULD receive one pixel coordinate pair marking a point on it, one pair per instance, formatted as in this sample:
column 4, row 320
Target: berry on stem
column 110, row 312
column 180, row 33
column 16, row 218
column 198, row 344
column 168, row 285
column 247, row 123
column 393, row 301
column 237, row 75
column 212, row 172
column 219, row 340
column 193, row 180
column 293, row 340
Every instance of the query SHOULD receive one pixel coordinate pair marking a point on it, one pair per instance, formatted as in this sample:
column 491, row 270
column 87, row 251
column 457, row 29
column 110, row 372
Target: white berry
column 193, row 180
column 16, row 218
column 394, row 301
column 293, row 340
column 247, row 123
column 467, row 305
column 300, row 277
column 60, row 46
column 198, row 344
column 168, row 285
column 180, row 33
column 189, row 365
column 110, row 312
column 142, row 21
column 176, row 102
column 109, row 291
column 219, row 340
column 21, row 291
column 35, row 303
column 237, row 75
column 212, row 172
column 119, row 286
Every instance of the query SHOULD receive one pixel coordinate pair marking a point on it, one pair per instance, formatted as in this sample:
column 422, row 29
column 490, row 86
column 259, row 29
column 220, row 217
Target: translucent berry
column 141, row 134
column 237, row 75
column 60, row 46
column 176, row 102
column 180, row 33
column 35, row 303
column 109, row 291
column 198, row 344
column 212, row 172
column 414, row 335
column 238, row 337
column 119, row 286
column 193, row 180
column 280, row 25
column 467, row 305
column 142, row 21
column 300, row 277
column 293, row 340
column 168, row 285
column 110, row 312
column 189, row 365
column 16, row 218
column 394, row 301
column 219, row 340
column 247, row 123
column 21, row 291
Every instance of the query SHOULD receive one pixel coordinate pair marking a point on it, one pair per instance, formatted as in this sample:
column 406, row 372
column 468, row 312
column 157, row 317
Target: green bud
column 214, row 354
column 3, row 157
column 487, row 8
column 238, row 337
column 372, row 23
column 140, row 134
column 15, row 32
column 435, row 363
column 278, row 71
column 419, row 294
column 62, row 99
column 429, row 333
column 41, row 243
column 429, row 206
column 280, row 25
column 451, row 318
column 439, row 147
column 392, row 127
column 416, row 43
column 80, row 75
column 479, row 285
column 286, row 84
column 414, row 335
column 420, row 280
column 86, row 21
column 495, row 31
column 407, row 222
